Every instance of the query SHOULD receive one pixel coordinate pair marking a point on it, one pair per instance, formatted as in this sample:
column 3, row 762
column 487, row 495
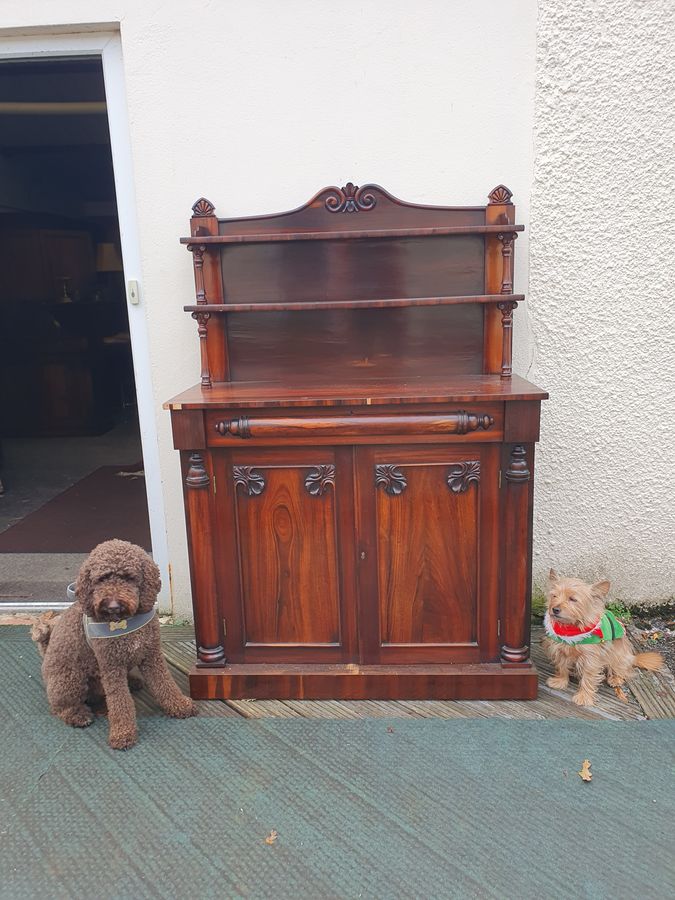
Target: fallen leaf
column 585, row 774
column 271, row 837
column 621, row 694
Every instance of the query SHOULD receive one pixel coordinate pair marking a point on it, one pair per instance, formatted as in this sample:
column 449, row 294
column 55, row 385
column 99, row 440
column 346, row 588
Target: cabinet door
column 427, row 520
column 287, row 601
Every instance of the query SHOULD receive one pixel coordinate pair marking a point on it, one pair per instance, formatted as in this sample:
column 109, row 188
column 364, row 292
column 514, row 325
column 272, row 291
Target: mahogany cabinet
column 358, row 458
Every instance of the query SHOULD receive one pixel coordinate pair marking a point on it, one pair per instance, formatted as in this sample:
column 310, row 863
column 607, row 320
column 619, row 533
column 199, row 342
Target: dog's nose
column 556, row 610
column 113, row 607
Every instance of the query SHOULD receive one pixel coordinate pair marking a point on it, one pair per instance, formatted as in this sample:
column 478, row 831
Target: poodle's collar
column 94, row 629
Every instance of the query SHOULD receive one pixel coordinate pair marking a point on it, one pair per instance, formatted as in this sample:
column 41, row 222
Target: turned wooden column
column 499, row 211
column 516, row 559
column 208, row 620
column 209, row 289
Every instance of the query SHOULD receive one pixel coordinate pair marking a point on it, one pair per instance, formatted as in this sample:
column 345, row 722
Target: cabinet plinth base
column 486, row 681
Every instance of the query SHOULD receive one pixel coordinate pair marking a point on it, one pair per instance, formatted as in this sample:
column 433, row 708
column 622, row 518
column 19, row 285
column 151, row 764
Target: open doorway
column 71, row 464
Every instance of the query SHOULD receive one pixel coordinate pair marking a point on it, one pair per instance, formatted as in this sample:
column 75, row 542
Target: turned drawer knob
column 236, row 427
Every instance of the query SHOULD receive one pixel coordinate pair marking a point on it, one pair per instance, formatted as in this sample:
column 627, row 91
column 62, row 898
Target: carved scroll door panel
column 287, row 602
column 428, row 555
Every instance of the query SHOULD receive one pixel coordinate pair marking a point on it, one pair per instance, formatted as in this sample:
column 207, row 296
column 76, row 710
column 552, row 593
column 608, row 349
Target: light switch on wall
column 134, row 296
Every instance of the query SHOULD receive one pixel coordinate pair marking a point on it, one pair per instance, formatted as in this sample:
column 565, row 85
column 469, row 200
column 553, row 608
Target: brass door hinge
column 499, row 627
column 500, row 478
column 214, row 483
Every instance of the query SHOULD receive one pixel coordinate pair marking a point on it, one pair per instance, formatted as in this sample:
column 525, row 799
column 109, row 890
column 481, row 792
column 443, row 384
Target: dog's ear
column 84, row 584
column 151, row 584
column 601, row 588
column 552, row 576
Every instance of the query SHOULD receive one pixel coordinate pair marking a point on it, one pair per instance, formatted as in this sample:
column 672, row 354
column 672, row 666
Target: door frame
column 107, row 45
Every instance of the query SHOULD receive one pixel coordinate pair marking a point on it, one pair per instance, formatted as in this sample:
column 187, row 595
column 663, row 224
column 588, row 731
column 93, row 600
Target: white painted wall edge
column 108, row 46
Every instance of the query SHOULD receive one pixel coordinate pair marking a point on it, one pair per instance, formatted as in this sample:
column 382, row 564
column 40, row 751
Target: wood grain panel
column 397, row 343
column 343, row 270
column 427, row 564
column 288, row 560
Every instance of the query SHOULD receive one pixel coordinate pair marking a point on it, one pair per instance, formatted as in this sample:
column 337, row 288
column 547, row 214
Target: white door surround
column 108, row 46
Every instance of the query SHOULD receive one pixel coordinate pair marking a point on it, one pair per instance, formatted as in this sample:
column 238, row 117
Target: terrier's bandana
column 94, row 629
column 608, row 628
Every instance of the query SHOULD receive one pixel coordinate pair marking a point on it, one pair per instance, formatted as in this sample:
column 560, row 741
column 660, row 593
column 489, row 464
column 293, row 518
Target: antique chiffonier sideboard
column 358, row 458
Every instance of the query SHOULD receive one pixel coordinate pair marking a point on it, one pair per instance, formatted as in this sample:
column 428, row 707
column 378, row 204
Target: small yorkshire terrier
column 585, row 638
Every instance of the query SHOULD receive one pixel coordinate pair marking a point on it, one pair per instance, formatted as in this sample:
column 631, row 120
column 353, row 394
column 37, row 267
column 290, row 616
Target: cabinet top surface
column 457, row 389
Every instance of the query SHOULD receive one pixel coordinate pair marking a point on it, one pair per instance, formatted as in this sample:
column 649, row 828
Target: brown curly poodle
column 86, row 662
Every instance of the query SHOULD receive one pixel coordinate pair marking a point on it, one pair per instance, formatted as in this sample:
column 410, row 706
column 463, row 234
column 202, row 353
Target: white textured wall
column 602, row 291
column 433, row 100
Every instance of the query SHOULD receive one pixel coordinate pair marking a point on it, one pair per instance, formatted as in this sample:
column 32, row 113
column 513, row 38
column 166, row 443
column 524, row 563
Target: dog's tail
column 42, row 631
column 651, row 661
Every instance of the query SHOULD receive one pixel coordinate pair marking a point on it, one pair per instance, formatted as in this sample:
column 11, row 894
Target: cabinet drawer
column 481, row 423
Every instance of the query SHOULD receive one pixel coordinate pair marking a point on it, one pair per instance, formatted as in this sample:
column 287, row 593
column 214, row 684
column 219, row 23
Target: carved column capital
column 518, row 470
column 197, row 476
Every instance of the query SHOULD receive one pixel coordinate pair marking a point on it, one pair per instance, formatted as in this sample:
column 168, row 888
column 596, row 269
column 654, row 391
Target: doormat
column 109, row 503
column 300, row 808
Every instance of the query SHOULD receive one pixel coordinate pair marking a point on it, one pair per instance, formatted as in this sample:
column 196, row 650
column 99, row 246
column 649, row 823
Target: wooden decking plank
column 438, row 709
column 262, row 709
column 177, row 632
column 321, row 709
column 654, row 695
column 654, row 691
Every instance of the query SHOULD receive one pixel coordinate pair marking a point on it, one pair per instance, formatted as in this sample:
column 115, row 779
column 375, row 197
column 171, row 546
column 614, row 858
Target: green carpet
column 366, row 808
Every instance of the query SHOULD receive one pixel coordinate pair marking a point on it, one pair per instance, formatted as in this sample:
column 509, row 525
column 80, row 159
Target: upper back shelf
column 375, row 251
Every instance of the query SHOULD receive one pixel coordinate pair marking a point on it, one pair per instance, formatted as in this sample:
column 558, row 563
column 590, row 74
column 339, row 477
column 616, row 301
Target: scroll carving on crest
column 391, row 479
column 462, row 475
column 319, row 479
column 252, row 481
column 351, row 198
column 203, row 207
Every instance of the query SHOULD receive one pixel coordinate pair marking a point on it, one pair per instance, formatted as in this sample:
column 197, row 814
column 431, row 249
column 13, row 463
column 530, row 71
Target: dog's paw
column 583, row 698
column 80, row 718
column 557, row 682
column 123, row 740
column 184, row 710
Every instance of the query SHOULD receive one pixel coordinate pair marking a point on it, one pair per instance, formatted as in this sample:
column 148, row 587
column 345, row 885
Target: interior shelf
column 369, row 234
column 353, row 304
